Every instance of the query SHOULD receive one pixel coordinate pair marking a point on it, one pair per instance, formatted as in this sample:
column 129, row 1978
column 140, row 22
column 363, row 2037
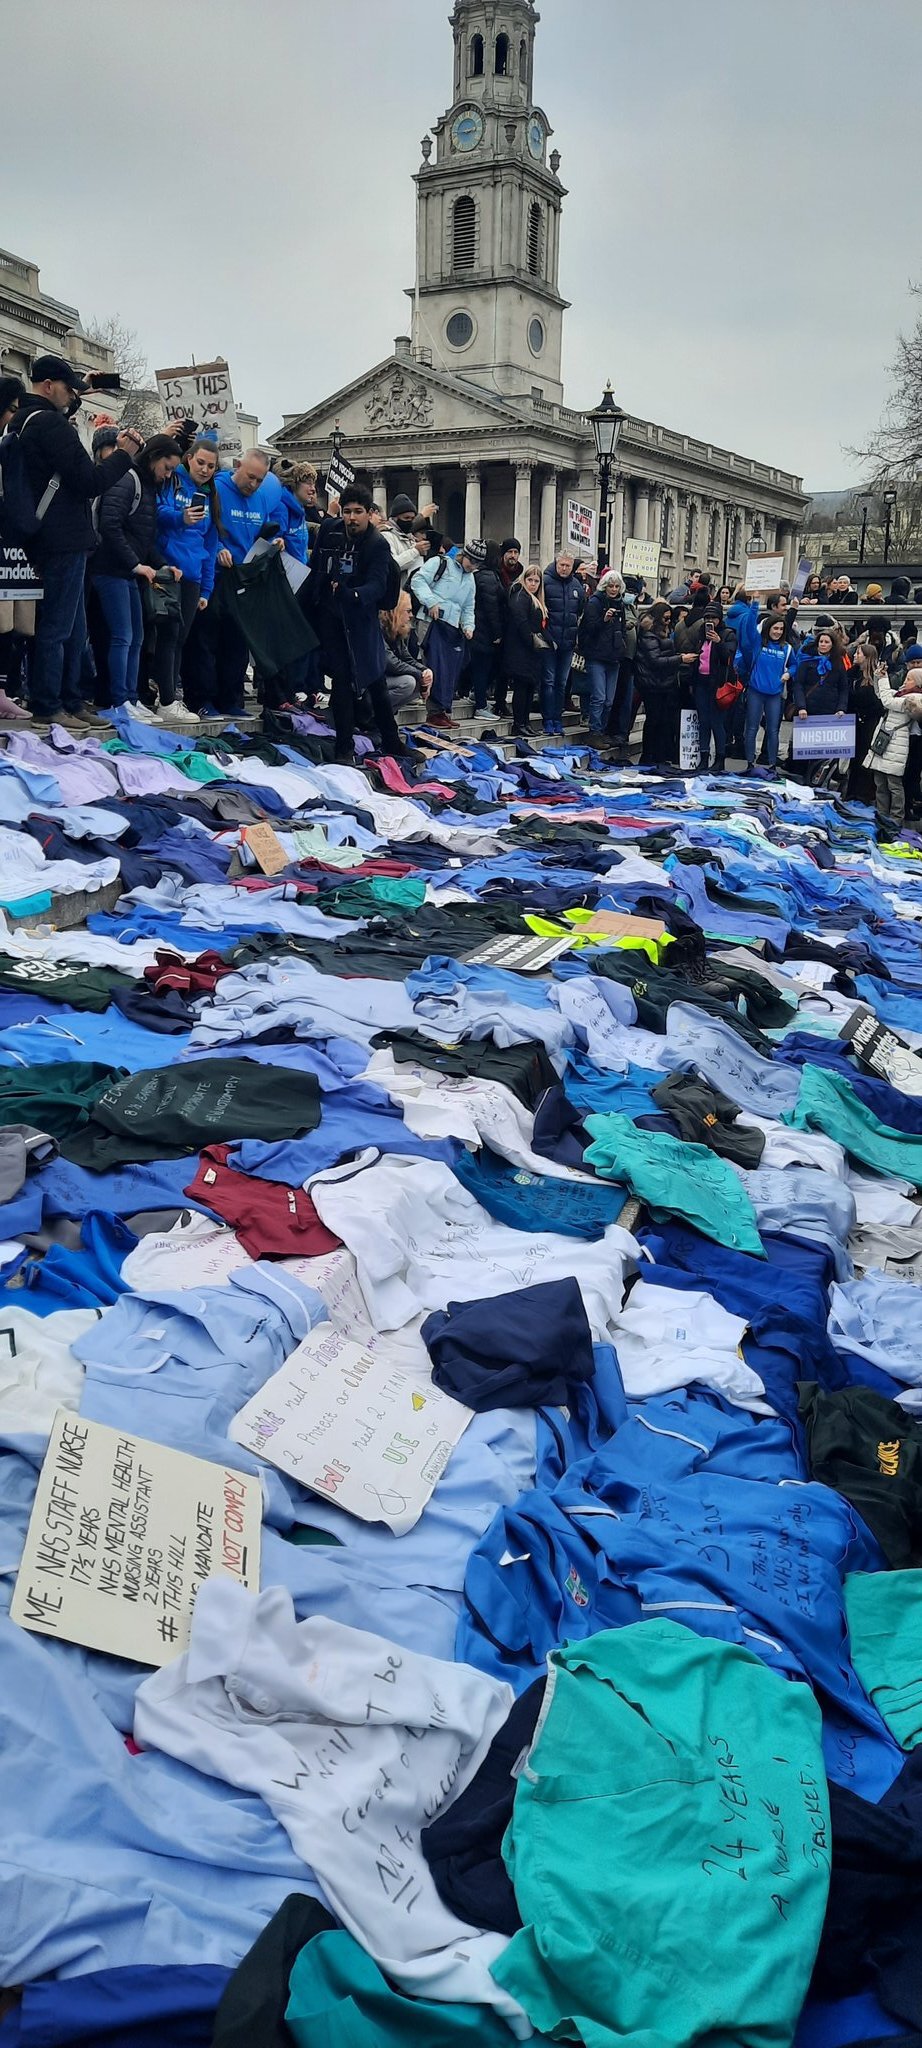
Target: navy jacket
column 603, row 639
column 565, row 597
column 128, row 531
column 52, row 447
column 821, row 696
column 346, row 617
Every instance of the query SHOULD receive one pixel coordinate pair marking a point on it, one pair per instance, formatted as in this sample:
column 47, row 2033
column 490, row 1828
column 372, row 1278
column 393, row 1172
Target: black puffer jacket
column 128, row 526
column 601, row 634
column 490, row 607
column 52, row 447
column 522, row 660
column 657, row 664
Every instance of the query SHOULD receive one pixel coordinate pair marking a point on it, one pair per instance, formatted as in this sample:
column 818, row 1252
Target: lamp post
column 864, row 533
column 606, row 422
column 889, row 503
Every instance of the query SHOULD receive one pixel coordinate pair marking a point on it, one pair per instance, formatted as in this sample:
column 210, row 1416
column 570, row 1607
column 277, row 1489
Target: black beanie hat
column 402, row 504
column 505, row 546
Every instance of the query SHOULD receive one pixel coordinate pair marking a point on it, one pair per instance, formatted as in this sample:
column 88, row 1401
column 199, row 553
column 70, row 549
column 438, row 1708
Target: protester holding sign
column 821, row 679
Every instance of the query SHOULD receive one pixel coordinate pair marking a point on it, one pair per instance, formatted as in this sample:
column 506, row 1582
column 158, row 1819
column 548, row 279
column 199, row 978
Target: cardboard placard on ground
column 267, row 847
column 357, row 1423
column 520, row 955
column 580, row 527
column 617, row 925
column 641, row 558
column 17, row 576
column 203, row 392
column 122, row 1534
column 763, row 572
column 823, row 739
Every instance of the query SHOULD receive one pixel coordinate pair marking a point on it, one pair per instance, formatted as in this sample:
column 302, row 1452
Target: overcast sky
column 234, row 177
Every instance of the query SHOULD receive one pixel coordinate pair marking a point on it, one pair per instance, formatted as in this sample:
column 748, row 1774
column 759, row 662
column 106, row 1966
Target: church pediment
column 397, row 397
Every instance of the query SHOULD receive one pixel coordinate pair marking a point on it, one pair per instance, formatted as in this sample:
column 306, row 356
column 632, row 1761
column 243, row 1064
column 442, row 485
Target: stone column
column 547, row 545
column 723, row 514
column 521, row 518
column 423, row 488
column 654, row 526
column 617, row 524
column 472, row 513
column 641, row 510
column 379, row 488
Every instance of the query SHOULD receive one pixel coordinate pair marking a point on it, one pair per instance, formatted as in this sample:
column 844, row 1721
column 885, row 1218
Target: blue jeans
column 771, row 707
column 554, row 680
column 120, row 599
column 710, row 720
column 602, row 679
column 60, row 637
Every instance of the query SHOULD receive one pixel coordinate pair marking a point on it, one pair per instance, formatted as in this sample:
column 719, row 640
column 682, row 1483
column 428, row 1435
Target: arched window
column 735, row 538
column 475, row 57
column 535, row 238
column 712, row 531
column 523, row 58
column 501, row 57
column 463, row 233
column 690, row 523
column 666, row 523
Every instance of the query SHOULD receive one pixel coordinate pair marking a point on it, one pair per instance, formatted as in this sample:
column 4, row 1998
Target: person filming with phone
column 189, row 533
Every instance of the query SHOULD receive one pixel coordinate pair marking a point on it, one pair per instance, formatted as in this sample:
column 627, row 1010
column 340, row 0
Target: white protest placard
column 17, row 576
column 203, row 392
column 641, row 558
column 358, row 1423
column 763, row 572
column 122, row 1535
column 580, row 527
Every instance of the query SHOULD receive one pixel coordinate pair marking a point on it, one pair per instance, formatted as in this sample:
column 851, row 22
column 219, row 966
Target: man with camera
column 58, row 467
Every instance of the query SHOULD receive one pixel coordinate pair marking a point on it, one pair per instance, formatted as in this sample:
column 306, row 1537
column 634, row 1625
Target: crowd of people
column 142, row 546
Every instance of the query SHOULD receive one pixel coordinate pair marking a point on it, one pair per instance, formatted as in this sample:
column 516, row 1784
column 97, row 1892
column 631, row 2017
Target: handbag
column 727, row 695
column 161, row 600
column 880, row 741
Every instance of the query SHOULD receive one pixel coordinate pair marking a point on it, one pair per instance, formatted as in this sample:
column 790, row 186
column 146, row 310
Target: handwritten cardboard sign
column 203, row 392
column 618, row 925
column 267, row 848
column 641, row 558
column 358, row 1423
column 339, row 474
column 763, row 572
column 123, row 1533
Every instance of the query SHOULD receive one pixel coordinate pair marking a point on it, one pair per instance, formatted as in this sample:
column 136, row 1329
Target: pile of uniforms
column 595, row 1100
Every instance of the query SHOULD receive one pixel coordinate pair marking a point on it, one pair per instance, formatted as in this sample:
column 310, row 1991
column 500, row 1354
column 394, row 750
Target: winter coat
column 657, row 666
column 722, row 652
column 404, row 550
column 820, row 694
column 742, row 618
column 565, row 597
column 442, row 582
column 490, row 607
column 602, row 638
column 52, row 447
column 523, row 661
column 398, row 661
column 346, row 618
column 128, row 527
column 193, row 549
column 896, row 723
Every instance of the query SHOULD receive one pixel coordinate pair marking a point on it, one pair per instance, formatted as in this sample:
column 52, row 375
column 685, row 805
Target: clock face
column 467, row 129
column 536, row 137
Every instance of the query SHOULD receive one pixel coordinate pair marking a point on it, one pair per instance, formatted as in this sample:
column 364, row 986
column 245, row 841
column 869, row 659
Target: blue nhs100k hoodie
column 192, row 549
column 768, row 668
column 242, row 516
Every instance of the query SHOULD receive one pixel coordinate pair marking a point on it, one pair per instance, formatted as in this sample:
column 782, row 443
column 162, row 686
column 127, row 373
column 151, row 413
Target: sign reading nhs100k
column 823, row 739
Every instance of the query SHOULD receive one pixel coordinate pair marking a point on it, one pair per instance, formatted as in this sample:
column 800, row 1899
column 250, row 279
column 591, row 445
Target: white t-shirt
column 665, row 1338
column 463, row 1106
column 420, row 1241
column 355, row 1744
column 38, row 1371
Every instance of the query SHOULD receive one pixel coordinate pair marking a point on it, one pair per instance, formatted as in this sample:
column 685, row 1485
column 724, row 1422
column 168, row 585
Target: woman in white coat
column 445, row 591
column 887, row 753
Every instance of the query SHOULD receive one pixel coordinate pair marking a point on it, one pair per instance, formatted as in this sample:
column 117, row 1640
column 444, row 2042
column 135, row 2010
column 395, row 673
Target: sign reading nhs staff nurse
column 823, row 739
column 203, row 392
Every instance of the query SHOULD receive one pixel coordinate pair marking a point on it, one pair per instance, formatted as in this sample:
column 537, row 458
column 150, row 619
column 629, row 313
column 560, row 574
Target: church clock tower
column 488, row 218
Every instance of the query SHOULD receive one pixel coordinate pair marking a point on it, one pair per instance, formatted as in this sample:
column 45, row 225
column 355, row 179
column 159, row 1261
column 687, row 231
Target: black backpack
column 20, row 516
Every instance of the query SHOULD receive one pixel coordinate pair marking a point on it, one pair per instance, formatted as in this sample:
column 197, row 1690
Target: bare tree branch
column 895, row 450
column 130, row 357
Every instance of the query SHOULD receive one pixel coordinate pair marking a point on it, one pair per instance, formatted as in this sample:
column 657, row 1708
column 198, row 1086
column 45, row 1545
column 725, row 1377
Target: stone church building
column 469, row 412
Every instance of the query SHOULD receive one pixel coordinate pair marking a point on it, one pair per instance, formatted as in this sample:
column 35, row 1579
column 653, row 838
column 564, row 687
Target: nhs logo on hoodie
column 242, row 516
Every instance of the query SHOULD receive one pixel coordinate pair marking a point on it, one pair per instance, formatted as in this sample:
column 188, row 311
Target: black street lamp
column 606, row 422
column 336, row 437
column 889, row 503
column 864, row 533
